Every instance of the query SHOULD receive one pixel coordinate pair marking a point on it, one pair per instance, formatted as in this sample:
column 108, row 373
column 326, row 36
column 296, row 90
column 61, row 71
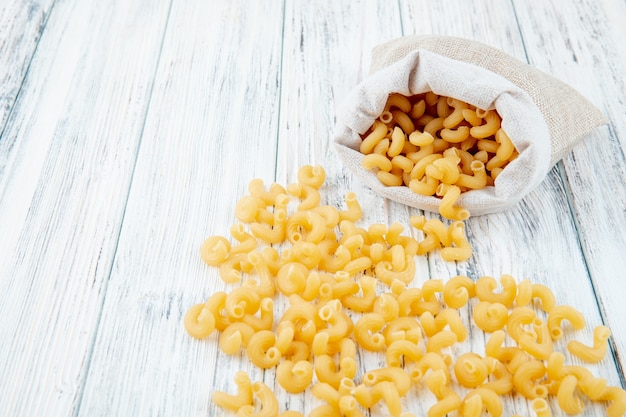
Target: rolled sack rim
column 421, row 71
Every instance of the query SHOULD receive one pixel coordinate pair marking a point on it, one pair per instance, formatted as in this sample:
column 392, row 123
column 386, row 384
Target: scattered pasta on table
column 348, row 288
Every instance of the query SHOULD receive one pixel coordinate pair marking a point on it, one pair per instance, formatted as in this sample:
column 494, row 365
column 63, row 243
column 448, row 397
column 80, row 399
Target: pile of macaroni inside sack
column 348, row 289
column 437, row 146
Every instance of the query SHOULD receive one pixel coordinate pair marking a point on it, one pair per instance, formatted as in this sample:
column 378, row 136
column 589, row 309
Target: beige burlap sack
column 543, row 116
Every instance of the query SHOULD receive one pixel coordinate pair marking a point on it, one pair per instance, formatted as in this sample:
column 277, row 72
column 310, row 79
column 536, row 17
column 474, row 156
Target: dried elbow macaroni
column 348, row 289
column 437, row 146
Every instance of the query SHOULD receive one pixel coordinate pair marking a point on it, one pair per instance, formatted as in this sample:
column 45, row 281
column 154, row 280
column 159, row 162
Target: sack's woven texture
column 544, row 117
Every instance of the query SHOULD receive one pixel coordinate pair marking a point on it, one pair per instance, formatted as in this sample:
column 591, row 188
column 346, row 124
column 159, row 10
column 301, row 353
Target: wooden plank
column 538, row 239
column 327, row 52
column 211, row 128
column 584, row 50
column 489, row 22
column 21, row 26
column 78, row 120
column 490, row 234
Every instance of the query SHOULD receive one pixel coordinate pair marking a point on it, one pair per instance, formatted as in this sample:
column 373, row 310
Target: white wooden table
column 129, row 129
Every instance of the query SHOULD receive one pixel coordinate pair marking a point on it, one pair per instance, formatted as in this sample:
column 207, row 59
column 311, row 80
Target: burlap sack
column 543, row 116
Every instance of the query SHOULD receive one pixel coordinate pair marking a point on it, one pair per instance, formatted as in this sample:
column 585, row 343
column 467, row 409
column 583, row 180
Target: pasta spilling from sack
column 437, row 146
column 537, row 132
column 349, row 289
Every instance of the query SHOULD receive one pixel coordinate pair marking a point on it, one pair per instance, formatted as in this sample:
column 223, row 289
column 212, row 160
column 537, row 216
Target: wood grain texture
column 327, row 52
column 78, row 124
column 140, row 124
column 538, row 239
column 583, row 52
column 21, row 26
column 212, row 127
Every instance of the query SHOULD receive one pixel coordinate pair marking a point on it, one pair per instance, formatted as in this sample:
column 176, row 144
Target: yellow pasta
column 199, row 321
column 539, row 342
column 247, row 242
column 366, row 331
column 525, row 379
column 568, row 401
column 353, row 211
column 305, row 226
column 364, row 302
column 486, row 286
column 477, row 180
column 486, row 398
column 231, row 269
column 524, row 293
column 502, row 378
column 384, row 390
column 379, row 130
column 267, row 399
column 402, row 349
column 349, row 288
column 403, row 120
column 294, row 377
column 458, row 290
column 390, row 179
column 398, row 376
column 235, row 336
column 215, row 250
column 312, row 175
column 489, row 127
column 519, row 320
column 309, row 196
column 456, row 117
column 443, row 108
column 242, row 398
column 340, row 325
column 399, row 101
column 441, row 340
column 449, row 317
column 241, row 301
column 291, row 414
column 403, row 328
column 418, row 109
column 448, row 400
column 403, row 163
column 261, row 349
column 398, row 139
column 326, row 411
column 560, row 313
column 541, row 408
column 545, row 294
column 450, row 194
column 438, row 125
column 429, row 361
column 256, row 187
column 378, row 161
column 470, row 370
column 274, row 233
column 326, row 392
column 386, row 273
column 336, row 261
column 445, row 169
column 460, row 249
column 387, row 306
column 349, row 407
column 617, row 397
column 597, row 351
column 292, row 278
column 490, row 317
